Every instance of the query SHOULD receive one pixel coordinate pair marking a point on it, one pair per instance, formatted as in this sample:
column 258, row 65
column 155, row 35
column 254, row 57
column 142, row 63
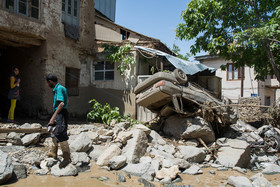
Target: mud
column 90, row 179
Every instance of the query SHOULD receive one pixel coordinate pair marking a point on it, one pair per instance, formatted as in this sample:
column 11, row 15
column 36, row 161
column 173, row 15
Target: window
column 234, row 73
column 72, row 81
column 104, row 71
column 70, row 18
column 29, row 8
column 124, row 34
column 267, row 101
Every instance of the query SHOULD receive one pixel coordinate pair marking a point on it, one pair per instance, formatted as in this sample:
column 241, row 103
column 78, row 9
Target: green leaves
column 120, row 55
column 106, row 114
column 246, row 32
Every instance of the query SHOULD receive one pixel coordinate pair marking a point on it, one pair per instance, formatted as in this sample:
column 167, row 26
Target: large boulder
column 239, row 181
column 96, row 151
column 110, row 152
column 189, row 128
column 30, row 139
column 6, row 167
column 81, row 144
column 69, row 170
column 192, row 154
column 80, row 158
column 14, row 138
column 137, row 169
column 233, row 152
column 117, row 162
column 136, row 147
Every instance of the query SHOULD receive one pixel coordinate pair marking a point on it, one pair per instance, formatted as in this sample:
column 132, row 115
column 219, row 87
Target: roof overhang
column 19, row 39
column 190, row 68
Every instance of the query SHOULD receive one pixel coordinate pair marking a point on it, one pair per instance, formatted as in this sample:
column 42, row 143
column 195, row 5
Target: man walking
column 59, row 121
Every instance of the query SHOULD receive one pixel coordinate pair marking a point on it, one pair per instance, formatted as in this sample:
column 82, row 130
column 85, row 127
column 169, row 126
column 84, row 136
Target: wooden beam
column 28, row 130
column 20, row 38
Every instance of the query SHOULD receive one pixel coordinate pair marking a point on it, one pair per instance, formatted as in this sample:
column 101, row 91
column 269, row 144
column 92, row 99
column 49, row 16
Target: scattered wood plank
column 28, row 130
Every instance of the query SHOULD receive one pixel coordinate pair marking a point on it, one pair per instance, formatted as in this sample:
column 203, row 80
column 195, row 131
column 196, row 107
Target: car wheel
column 180, row 76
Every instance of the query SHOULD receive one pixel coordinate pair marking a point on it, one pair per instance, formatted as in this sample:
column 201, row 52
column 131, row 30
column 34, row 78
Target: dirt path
column 89, row 179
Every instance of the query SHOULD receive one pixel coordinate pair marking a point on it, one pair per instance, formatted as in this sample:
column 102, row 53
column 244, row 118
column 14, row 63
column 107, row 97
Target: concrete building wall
column 232, row 88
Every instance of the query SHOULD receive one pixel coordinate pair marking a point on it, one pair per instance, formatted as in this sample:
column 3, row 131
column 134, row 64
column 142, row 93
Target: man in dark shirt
column 59, row 121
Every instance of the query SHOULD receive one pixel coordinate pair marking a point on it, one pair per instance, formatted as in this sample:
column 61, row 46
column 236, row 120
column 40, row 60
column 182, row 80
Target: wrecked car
column 166, row 93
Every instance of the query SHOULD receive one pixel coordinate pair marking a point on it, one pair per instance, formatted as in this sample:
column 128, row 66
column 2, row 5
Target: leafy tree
column 176, row 50
column 244, row 31
column 120, row 55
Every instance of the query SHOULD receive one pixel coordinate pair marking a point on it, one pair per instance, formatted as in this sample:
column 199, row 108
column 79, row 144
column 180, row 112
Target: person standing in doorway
column 59, row 121
column 13, row 93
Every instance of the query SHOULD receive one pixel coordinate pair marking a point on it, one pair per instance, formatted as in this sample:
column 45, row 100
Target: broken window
column 104, row 71
column 72, row 81
column 29, row 8
column 124, row 34
column 70, row 18
column 267, row 101
column 234, row 73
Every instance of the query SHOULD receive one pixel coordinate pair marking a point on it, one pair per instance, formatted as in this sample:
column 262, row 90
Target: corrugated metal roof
column 190, row 68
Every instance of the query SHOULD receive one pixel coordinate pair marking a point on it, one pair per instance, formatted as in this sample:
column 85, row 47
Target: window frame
column 234, row 71
column 28, row 8
column 104, row 70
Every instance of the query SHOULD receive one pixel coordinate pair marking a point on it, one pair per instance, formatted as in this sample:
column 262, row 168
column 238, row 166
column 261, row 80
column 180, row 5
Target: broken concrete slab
column 110, row 152
column 171, row 172
column 189, row 128
column 239, row 181
column 81, row 144
column 155, row 138
column 6, row 167
column 69, row 170
column 192, row 154
column 30, row 139
column 117, row 162
column 136, row 147
column 241, row 150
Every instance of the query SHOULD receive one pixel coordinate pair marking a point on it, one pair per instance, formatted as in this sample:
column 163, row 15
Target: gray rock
column 48, row 163
column 171, row 172
column 241, row 150
column 163, row 154
column 96, row 151
column 80, row 157
column 192, row 142
column 192, row 154
column 166, row 180
column 155, row 138
column 117, row 162
column 81, row 144
column 212, row 172
column 6, row 167
column 25, row 126
column 222, row 169
column 156, row 164
column 145, row 182
column 136, row 147
column 149, row 174
column 137, row 169
column 14, row 138
column 271, row 169
column 30, row 139
column 69, row 170
column 19, row 171
column 110, row 152
column 9, row 149
column 239, row 181
column 121, row 178
column 93, row 136
column 32, row 158
column 143, row 128
column 193, row 170
column 146, row 159
column 36, row 126
column 123, row 136
column 124, row 125
column 188, row 128
column 260, row 180
column 182, row 164
column 42, row 171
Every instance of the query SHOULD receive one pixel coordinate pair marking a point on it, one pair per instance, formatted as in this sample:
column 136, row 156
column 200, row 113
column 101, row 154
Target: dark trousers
column 60, row 132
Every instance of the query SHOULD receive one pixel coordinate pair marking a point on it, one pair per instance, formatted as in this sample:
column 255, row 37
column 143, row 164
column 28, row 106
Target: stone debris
column 6, row 167
column 149, row 154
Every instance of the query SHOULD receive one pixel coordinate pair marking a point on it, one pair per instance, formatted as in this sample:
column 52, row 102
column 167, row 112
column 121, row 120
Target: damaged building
column 66, row 38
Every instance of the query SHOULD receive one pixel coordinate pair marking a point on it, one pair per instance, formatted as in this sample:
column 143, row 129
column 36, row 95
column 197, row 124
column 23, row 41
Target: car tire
column 180, row 76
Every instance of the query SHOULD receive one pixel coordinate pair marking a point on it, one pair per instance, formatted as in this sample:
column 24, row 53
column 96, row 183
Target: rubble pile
column 252, row 112
column 148, row 154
